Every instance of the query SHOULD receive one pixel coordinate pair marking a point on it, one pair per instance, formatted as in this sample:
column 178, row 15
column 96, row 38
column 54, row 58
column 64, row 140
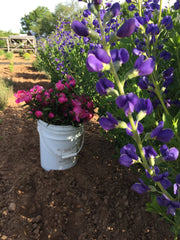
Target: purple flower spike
column 177, row 184
column 128, row 155
column 140, row 187
column 140, row 129
column 171, row 205
column 127, row 102
column 144, row 105
column 167, row 22
column 162, row 178
column 163, row 135
column 80, row 29
column 144, row 67
column 169, row 154
column 127, row 28
column 108, row 123
column 102, row 85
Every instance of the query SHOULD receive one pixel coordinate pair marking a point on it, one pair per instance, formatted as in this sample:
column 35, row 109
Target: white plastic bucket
column 59, row 145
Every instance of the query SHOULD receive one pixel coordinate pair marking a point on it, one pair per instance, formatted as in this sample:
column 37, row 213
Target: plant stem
column 139, row 7
column 160, row 13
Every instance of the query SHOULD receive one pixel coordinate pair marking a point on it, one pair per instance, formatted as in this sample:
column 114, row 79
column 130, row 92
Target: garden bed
column 91, row 201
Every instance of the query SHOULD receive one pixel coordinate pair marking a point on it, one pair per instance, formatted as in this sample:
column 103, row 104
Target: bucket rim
column 45, row 124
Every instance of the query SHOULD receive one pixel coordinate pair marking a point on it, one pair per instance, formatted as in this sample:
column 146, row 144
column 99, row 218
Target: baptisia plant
column 59, row 105
column 158, row 176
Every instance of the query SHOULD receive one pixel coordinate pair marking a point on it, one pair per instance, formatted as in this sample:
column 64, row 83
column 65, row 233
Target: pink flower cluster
column 58, row 105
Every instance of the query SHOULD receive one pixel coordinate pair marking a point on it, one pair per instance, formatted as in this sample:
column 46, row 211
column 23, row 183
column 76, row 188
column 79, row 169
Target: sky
column 12, row 11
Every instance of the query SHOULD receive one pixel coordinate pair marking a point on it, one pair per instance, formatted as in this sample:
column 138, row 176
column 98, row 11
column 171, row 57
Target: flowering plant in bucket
column 58, row 105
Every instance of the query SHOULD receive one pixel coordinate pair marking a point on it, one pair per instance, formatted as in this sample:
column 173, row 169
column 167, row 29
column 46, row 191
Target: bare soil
column 91, row 201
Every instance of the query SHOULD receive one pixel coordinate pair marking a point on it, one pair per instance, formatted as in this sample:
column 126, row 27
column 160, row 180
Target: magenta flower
column 127, row 28
column 23, row 96
column 144, row 67
column 163, row 135
column 127, row 102
column 38, row 114
column 62, row 98
column 51, row 115
column 60, row 86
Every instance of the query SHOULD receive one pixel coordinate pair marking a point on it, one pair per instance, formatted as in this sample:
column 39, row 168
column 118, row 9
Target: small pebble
column 12, row 207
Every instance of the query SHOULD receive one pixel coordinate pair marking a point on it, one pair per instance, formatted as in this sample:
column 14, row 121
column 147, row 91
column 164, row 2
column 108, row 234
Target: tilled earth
column 91, row 201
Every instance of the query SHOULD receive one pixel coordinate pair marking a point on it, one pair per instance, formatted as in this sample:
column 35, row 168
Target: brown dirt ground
column 91, row 201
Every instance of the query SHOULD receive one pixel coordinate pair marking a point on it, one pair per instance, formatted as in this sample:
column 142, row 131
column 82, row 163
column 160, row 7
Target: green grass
column 6, row 91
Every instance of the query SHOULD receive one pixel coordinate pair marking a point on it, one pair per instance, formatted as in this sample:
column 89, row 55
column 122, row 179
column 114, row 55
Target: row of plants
column 128, row 60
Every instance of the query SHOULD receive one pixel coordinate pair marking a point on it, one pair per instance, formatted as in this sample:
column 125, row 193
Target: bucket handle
column 76, row 153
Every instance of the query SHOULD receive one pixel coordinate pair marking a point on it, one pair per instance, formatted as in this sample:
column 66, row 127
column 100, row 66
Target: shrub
column 6, row 91
column 11, row 67
column 9, row 55
column 26, row 56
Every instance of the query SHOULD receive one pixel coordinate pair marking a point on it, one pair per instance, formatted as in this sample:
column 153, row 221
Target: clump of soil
column 91, row 201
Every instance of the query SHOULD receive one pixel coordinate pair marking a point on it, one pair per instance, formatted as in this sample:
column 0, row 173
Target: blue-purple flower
column 140, row 187
column 128, row 155
column 108, row 123
column 149, row 152
column 80, row 29
column 127, row 28
column 144, row 66
column 177, row 185
column 167, row 22
column 162, row 178
column 103, row 85
column 165, row 55
column 169, row 154
column 163, row 135
column 144, row 105
column 98, row 60
column 127, row 102
column 139, row 129
column 171, row 205
column 120, row 55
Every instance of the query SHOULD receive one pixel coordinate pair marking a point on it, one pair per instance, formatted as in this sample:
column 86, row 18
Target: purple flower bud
column 108, row 123
column 127, row 102
column 80, row 29
column 140, row 187
column 171, row 205
column 115, row 9
column 163, row 135
column 131, row 7
column 128, row 1
column 144, row 105
column 140, row 129
column 127, row 28
column 177, row 5
column 102, row 85
column 128, row 155
column 177, row 184
column 144, row 67
column 168, row 73
column 169, row 154
column 152, row 29
column 143, row 82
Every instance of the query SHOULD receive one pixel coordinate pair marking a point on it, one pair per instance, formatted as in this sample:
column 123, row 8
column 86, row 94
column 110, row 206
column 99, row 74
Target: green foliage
column 26, row 56
column 9, row 55
column 2, row 52
column 11, row 67
column 41, row 21
column 6, row 91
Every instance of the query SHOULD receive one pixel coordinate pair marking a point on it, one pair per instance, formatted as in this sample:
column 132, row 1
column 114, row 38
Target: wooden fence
column 15, row 43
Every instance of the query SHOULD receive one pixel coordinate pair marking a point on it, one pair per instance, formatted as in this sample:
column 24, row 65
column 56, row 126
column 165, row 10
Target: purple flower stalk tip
column 127, row 28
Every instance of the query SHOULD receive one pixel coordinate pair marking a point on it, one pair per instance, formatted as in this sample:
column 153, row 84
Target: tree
column 41, row 21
